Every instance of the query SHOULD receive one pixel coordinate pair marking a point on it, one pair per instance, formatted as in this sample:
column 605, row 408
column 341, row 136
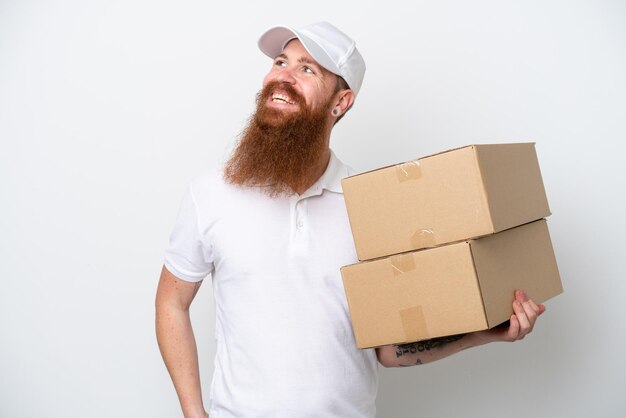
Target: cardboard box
column 452, row 289
column 455, row 195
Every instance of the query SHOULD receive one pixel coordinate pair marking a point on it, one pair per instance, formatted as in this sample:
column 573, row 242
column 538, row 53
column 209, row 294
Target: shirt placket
column 299, row 225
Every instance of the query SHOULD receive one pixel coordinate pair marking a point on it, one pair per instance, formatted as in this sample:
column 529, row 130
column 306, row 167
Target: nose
column 284, row 75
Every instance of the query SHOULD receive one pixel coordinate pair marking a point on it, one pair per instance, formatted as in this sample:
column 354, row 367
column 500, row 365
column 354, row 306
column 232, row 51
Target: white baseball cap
column 330, row 47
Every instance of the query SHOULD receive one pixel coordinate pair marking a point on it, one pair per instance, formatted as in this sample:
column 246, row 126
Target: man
column 272, row 230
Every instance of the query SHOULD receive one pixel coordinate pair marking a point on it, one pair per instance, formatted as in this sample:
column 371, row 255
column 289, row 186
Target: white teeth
column 281, row 98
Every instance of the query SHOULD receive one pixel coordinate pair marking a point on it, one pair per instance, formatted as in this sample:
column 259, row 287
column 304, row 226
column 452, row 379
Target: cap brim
column 273, row 41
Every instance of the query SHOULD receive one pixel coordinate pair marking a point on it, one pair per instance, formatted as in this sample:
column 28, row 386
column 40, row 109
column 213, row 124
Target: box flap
column 407, row 162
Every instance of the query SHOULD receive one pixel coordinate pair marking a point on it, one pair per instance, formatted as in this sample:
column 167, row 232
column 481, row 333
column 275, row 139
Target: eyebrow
column 305, row 60
column 302, row 60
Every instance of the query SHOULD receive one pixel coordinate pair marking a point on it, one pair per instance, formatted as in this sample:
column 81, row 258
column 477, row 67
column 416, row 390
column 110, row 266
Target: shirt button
column 300, row 224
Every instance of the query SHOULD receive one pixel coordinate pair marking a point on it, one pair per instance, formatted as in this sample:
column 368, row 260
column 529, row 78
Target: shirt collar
column 331, row 179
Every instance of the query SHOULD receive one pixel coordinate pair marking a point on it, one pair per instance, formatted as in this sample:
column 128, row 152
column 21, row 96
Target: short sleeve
column 188, row 256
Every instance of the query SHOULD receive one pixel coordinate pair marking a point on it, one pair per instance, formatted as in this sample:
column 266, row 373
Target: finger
column 520, row 313
column 529, row 310
column 531, row 314
column 513, row 330
column 521, row 296
column 537, row 308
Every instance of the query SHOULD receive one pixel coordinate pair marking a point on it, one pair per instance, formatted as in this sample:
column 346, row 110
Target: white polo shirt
column 285, row 347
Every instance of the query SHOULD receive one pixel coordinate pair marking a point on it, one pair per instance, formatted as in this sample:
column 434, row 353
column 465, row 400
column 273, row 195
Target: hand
column 521, row 323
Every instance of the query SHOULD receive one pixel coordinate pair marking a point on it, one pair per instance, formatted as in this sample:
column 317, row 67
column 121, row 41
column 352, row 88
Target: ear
column 343, row 102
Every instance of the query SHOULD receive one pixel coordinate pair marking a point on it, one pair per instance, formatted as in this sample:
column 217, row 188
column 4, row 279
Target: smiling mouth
column 281, row 98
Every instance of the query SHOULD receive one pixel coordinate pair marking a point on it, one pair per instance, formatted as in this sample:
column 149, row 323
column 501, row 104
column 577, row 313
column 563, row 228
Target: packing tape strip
column 408, row 171
column 413, row 323
column 401, row 264
column 423, row 238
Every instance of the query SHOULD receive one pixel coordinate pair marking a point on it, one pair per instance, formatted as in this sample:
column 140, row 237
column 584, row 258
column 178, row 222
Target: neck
column 319, row 168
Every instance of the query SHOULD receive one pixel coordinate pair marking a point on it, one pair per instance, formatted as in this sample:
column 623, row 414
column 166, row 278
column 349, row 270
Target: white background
column 108, row 108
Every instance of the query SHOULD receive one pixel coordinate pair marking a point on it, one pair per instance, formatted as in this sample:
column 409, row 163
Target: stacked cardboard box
column 444, row 241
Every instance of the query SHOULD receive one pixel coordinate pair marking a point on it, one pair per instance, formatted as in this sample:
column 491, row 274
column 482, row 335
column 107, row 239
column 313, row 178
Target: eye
column 280, row 63
column 308, row 70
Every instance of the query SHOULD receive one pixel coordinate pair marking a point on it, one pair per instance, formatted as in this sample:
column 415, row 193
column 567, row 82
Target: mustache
column 269, row 88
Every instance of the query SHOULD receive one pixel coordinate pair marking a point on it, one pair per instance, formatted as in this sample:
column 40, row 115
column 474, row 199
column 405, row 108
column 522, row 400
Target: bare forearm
column 422, row 352
column 178, row 348
column 521, row 322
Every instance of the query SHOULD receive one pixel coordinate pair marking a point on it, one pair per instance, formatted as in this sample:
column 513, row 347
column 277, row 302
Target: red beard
column 278, row 151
